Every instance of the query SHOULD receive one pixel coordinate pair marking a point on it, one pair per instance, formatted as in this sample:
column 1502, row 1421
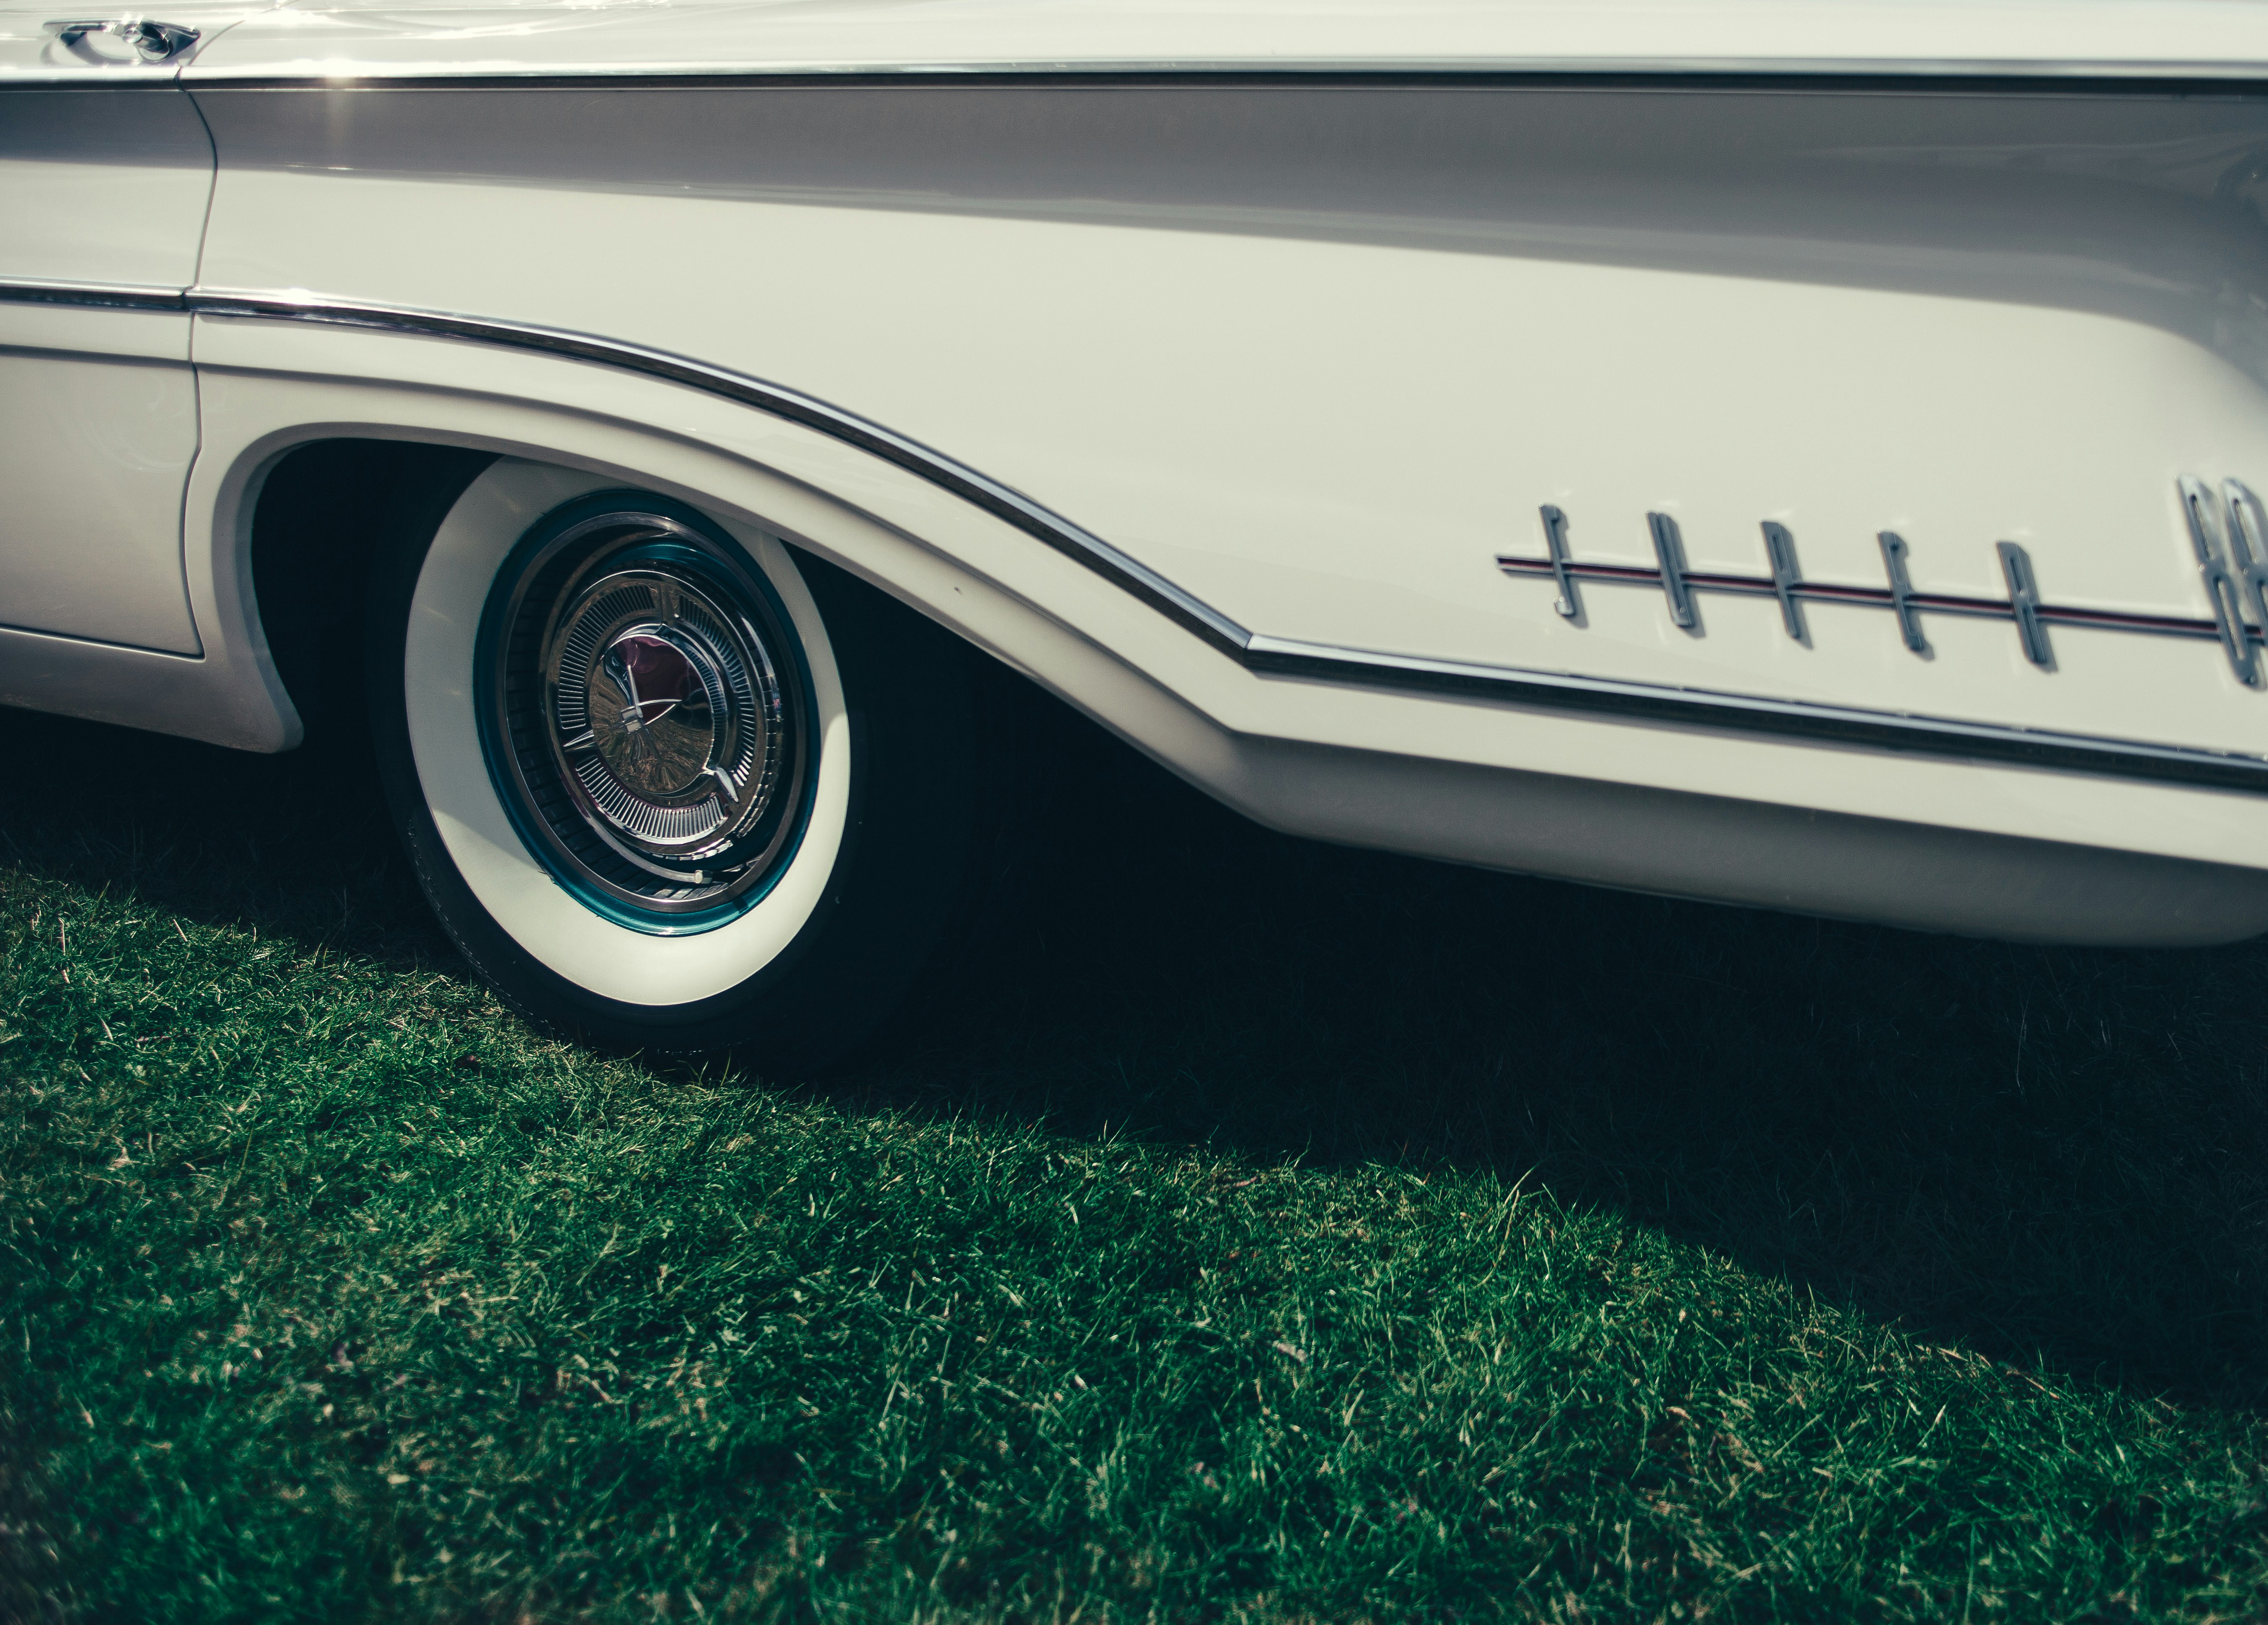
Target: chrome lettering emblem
column 2229, row 530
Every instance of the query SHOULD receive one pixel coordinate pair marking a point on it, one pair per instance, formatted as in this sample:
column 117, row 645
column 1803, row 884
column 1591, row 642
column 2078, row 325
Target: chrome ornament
column 1569, row 602
column 2024, row 598
column 2233, row 562
column 2229, row 530
column 153, row 41
column 1669, row 552
column 1779, row 548
column 1902, row 592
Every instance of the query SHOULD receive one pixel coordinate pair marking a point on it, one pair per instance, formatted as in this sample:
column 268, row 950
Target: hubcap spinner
column 663, row 712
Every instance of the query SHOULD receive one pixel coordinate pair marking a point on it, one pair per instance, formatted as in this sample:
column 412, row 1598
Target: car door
column 106, row 171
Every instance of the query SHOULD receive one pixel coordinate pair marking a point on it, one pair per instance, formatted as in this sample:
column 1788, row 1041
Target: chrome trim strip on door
column 1279, row 656
column 99, row 294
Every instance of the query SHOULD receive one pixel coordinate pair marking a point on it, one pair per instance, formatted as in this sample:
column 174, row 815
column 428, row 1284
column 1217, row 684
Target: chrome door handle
column 152, row 42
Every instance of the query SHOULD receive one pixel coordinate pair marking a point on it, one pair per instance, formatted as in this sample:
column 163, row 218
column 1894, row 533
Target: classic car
column 1804, row 453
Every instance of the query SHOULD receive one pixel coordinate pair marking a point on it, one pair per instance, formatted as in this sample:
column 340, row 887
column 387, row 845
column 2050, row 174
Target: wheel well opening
column 322, row 514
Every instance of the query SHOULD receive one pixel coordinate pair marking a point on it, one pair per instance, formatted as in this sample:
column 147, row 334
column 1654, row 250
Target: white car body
column 1222, row 365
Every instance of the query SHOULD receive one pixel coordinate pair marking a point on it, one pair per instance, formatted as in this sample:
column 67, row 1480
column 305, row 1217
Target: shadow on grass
column 2058, row 1157
column 295, row 847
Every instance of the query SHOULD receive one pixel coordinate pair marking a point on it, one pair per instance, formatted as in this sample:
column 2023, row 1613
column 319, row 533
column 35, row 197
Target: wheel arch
column 291, row 454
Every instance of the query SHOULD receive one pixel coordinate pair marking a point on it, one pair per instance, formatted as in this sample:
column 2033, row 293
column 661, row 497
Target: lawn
column 1260, row 1232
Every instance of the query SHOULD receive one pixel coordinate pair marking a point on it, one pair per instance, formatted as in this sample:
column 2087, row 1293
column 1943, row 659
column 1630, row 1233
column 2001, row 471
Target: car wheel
column 669, row 786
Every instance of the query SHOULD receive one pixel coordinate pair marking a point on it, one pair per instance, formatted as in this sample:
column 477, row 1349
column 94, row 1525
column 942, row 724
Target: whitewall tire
column 669, row 785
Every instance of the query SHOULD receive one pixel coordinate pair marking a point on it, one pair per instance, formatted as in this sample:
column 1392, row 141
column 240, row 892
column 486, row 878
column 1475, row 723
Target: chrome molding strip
column 1290, row 657
column 98, row 295
column 1003, row 502
column 1697, row 708
column 1823, row 74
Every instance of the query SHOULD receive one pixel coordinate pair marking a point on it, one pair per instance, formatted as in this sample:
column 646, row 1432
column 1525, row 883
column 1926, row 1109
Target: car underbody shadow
column 295, row 847
column 2058, row 1157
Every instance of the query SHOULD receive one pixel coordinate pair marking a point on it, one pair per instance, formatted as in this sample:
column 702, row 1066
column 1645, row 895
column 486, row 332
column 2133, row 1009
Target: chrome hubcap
column 664, row 715
column 647, row 704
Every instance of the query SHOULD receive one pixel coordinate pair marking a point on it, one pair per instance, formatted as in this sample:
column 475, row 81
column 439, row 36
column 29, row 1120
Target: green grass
column 1264, row 1232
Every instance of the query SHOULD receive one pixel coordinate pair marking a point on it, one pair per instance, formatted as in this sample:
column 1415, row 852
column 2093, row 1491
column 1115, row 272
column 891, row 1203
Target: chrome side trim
column 2047, row 75
column 1003, row 502
column 1696, row 708
column 1291, row 658
column 99, row 294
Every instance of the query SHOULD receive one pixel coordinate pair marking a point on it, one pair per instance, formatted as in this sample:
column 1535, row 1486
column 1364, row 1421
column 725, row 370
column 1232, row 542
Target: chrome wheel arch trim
column 1280, row 658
